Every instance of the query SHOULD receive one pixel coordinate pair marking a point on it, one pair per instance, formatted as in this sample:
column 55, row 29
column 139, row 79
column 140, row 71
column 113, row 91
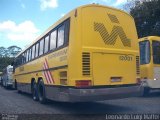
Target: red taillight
column 83, row 83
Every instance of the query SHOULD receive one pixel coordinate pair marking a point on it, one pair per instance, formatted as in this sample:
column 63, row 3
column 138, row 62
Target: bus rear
column 8, row 77
column 109, row 65
column 150, row 63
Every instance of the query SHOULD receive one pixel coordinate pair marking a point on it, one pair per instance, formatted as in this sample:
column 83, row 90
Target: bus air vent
column 86, row 63
column 63, row 77
column 137, row 65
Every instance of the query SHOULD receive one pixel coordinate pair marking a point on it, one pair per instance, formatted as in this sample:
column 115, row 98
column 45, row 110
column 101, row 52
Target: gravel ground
column 22, row 105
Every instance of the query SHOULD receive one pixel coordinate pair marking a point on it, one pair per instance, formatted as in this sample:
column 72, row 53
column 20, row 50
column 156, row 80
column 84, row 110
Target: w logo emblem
column 110, row 39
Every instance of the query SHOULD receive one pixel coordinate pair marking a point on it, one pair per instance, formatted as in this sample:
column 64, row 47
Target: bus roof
column 67, row 16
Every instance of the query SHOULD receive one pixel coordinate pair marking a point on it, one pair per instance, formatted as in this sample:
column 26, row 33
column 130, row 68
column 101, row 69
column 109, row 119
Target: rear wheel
column 34, row 91
column 41, row 92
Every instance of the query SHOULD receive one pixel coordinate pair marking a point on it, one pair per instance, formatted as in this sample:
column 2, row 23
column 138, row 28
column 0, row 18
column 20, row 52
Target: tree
column 4, row 62
column 2, row 51
column 147, row 17
column 7, row 55
column 11, row 51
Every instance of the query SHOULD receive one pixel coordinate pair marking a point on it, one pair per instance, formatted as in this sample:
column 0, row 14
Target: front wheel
column 41, row 92
column 34, row 91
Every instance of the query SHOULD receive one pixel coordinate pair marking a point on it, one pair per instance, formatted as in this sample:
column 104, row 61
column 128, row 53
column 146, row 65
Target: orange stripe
column 50, row 75
column 46, row 72
column 45, row 75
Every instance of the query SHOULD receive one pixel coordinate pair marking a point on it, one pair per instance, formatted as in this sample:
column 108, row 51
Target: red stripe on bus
column 46, row 72
column 45, row 75
column 51, row 77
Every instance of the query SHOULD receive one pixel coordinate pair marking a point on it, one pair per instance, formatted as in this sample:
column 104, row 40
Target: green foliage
column 7, row 55
column 11, row 51
column 147, row 17
column 4, row 62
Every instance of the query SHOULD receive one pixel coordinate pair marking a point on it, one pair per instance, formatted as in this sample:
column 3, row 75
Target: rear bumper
column 154, row 84
column 97, row 94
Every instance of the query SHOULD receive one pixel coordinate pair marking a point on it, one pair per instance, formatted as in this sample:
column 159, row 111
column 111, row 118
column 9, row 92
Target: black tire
column 146, row 91
column 41, row 92
column 34, row 91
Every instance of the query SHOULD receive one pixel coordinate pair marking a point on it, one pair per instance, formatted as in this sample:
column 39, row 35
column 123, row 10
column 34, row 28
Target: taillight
column 83, row 83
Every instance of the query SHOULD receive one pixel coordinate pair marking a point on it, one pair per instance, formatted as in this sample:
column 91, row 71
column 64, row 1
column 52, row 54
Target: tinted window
column 33, row 52
column 53, row 40
column 30, row 53
column 27, row 55
column 46, row 44
column 41, row 47
column 23, row 58
column 144, row 52
column 67, row 27
column 37, row 48
column 60, row 36
column 156, row 52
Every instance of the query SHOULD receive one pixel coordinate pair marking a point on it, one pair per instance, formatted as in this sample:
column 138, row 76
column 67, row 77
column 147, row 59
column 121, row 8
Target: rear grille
column 137, row 65
column 86, row 64
column 63, row 77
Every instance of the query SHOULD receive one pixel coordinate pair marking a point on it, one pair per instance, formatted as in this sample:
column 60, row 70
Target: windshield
column 156, row 52
column 144, row 52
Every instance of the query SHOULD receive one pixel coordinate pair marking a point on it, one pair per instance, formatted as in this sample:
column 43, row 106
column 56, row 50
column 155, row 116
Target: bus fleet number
column 125, row 58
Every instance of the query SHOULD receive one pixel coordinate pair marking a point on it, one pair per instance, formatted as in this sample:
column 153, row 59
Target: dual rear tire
column 38, row 91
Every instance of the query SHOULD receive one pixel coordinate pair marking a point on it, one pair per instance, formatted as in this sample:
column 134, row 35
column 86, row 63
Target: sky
column 21, row 21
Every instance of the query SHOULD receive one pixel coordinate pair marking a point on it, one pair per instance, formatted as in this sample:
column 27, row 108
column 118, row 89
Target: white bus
column 7, row 77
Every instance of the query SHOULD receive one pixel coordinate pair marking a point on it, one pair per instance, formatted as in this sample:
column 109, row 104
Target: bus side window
column 66, row 32
column 33, row 52
column 27, row 55
column 41, row 48
column 60, row 36
column 53, row 40
column 46, row 44
column 22, row 58
column 37, row 49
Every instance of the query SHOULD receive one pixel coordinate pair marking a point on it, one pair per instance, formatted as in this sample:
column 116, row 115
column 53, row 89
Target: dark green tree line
column 147, row 16
column 7, row 55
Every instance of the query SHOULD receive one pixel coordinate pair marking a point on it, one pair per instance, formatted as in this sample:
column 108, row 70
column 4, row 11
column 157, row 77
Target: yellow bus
column 90, row 54
column 150, row 63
